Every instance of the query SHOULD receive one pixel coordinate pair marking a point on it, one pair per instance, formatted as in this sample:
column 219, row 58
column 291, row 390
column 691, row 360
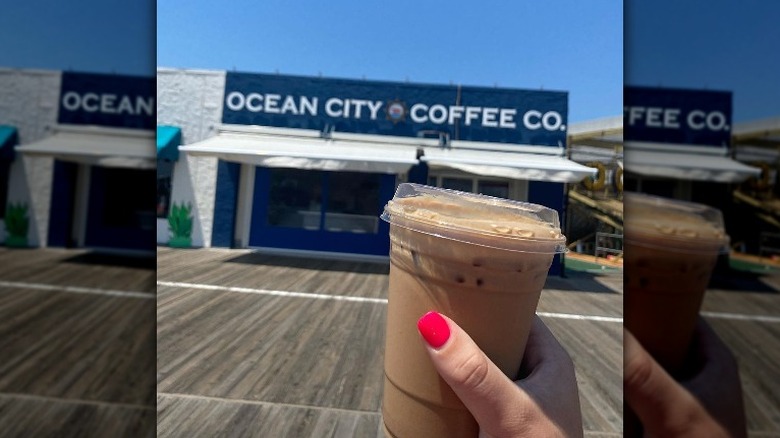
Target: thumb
column 491, row 397
column 664, row 407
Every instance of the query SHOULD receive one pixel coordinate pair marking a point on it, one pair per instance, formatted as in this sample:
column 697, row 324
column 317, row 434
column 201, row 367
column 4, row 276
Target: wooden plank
column 275, row 349
column 77, row 346
column 756, row 346
column 75, row 364
column 320, row 354
column 32, row 417
column 77, row 268
column 596, row 348
column 210, row 417
column 252, row 270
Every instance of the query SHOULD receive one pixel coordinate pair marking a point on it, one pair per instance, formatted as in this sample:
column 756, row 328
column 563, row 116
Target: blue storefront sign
column 119, row 214
column 386, row 108
column 668, row 115
column 107, row 100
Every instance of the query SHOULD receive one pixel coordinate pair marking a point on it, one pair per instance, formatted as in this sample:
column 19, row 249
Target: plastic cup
column 670, row 249
column 480, row 260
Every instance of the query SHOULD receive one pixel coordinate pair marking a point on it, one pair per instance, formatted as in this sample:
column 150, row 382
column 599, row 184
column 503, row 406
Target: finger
column 709, row 346
column 717, row 384
column 551, row 381
column 542, row 349
column 493, row 399
column 648, row 389
column 651, row 393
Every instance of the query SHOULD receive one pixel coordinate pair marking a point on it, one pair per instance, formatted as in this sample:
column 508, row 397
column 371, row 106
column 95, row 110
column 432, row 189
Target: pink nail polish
column 434, row 329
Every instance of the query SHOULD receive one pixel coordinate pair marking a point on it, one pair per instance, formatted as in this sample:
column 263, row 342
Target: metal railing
column 607, row 243
column 769, row 244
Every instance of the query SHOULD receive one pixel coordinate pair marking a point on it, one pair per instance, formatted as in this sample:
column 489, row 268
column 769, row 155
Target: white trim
column 581, row 317
column 517, row 166
column 76, row 401
column 349, row 298
column 306, row 153
column 740, row 317
column 556, row 151
column 269, row 292
column 108, row 147
column 266, row 130
column 103, row 130
column 78, row 290
column 81, row 204
column 246, row 191
column 264, row 403
column 385, row 139
column 688, row 166
column 671, row 147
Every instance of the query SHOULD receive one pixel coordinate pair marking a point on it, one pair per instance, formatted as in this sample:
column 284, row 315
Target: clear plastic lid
column 478, row 219
column 671, row 223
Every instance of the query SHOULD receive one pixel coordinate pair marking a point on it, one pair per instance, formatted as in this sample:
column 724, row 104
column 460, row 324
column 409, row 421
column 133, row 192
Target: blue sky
column 100, row 36
column 714, row 44
column 564, row 45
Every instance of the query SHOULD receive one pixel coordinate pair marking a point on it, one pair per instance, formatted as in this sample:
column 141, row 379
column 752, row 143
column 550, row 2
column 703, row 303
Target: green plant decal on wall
column 17, row 223
column 180, row 225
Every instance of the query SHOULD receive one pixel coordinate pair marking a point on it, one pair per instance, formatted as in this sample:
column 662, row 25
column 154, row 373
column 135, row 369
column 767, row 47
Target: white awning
column 699, row 167
column 508, row 165
column 306, row 152
column 756, row 153
column 585, row 154
column 99, row 146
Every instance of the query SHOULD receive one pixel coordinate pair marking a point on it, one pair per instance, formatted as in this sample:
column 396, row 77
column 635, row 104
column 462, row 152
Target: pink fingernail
column 434, row 329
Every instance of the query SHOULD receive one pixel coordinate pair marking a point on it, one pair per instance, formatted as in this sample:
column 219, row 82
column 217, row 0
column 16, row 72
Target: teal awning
column 168, row 141
column 8, row 139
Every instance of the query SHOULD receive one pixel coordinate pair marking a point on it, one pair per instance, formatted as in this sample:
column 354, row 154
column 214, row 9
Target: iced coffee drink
column 670, row 248
column 482, row 261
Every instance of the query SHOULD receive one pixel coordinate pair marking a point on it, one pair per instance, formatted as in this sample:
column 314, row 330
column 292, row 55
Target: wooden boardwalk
column 748, row 321
column 254, row 345
column 77, row 344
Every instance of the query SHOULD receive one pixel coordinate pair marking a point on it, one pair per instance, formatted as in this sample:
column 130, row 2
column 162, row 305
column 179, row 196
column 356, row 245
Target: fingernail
column 434, row 329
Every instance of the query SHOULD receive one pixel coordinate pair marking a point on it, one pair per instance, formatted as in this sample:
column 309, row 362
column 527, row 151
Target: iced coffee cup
column 480, row 260
column 670, row 249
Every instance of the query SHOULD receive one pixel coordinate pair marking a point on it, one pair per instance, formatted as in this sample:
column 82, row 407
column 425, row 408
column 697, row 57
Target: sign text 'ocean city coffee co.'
column 107, row 100
column 387, row 108
column 668, row 115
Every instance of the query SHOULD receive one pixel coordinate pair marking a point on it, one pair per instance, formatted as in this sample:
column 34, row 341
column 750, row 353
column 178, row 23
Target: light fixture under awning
column 98, row 146
column 526, row 166
column 310, row 153
column 684, row 166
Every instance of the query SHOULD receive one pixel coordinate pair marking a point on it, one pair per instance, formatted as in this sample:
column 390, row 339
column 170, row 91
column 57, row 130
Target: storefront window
column 296, row 199
column 462, row 184
column 353, row 203
column 490, row 187
column 125, row 200
column 164, row 179
column 499, row 189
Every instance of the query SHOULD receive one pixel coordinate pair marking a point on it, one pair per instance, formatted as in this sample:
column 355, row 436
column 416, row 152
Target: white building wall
column 192, row 101
column 29, row 101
